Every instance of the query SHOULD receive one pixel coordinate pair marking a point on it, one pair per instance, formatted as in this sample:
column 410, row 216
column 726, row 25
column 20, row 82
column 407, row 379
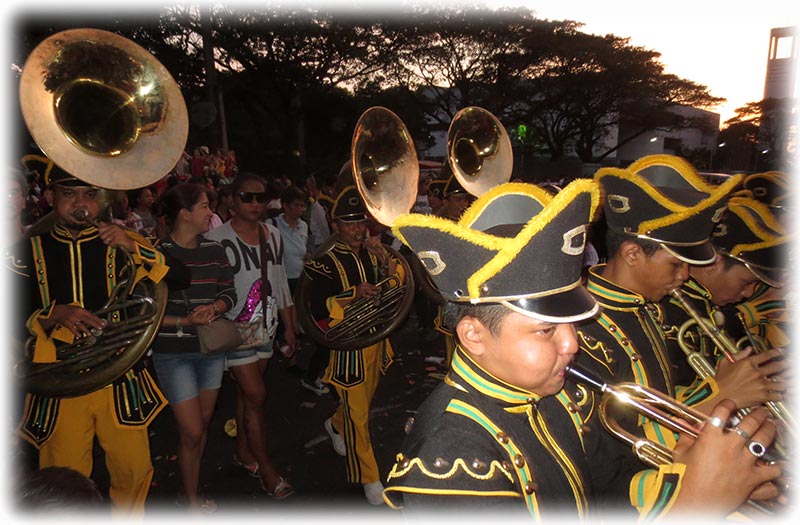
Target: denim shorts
column 182, row 376
column 245, row 357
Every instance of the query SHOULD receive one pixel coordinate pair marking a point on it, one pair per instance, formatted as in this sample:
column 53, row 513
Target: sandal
column 251, row 469
column 281, row 491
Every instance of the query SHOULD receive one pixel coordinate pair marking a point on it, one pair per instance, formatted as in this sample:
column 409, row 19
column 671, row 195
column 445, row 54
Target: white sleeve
column 277, row 275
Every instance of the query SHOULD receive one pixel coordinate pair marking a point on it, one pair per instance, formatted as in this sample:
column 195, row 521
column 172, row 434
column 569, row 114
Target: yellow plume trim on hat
column 678, row 211
column 679, row 164
column 768, row 239
column 510, row 248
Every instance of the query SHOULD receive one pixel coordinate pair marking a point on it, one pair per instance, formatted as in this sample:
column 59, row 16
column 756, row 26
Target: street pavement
column 299, row 445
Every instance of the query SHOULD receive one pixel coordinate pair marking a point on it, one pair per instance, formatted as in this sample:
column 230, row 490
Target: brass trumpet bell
column 103, row 108
column 479, row 150
column 385, row 166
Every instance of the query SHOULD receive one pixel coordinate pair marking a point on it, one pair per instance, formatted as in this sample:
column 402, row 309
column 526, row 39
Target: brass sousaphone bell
column 106, row 111
column 385, row 172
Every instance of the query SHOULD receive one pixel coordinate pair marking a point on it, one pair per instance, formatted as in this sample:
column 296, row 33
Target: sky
column 720, row 44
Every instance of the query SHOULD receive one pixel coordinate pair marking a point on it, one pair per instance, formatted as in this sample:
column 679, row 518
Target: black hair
column 293, row 193
column 238, row 182
column 614, row 240
column 179, row 197
column 55, row 489
column 491, row 315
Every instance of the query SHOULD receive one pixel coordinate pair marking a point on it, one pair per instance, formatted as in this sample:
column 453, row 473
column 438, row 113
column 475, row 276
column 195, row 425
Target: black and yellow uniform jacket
column 766, row 315
column 56, row 268
column 334, row 277
column 479, row 444
column 626, row 342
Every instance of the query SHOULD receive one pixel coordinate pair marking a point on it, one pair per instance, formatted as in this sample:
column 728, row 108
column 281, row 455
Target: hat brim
column 352, row 218
column 699, row 255
column 564, row 307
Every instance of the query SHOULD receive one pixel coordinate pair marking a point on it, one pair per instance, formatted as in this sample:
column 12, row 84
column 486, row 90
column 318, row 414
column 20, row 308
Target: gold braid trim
column 494, row 466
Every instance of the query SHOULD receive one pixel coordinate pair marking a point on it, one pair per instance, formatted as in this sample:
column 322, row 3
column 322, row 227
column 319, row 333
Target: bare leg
column 252, row 394
column 193, row 417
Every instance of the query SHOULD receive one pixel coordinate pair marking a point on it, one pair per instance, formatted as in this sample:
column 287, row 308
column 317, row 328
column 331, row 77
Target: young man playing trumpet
column 660, row 215
column 507, row 432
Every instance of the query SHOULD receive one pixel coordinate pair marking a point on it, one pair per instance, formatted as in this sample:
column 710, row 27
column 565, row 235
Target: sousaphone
column 385, row 171
column 106, row 111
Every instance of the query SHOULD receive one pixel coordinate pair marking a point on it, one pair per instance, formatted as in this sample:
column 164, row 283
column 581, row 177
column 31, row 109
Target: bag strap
column 266, row 286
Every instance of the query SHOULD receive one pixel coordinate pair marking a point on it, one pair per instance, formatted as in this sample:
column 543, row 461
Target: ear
column 184, row 214
column 631, row 253
column 471, row 334
column 48, row 196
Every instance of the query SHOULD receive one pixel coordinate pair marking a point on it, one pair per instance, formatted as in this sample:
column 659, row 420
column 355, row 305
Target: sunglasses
column 249, row 196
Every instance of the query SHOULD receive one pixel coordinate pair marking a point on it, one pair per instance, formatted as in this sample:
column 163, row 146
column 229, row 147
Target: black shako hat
column 349, row 206
column 57, row 175
column 516, row 245
column 437, row 187
column 661, row 198
column 453, row 187
column 750, row 234
column 771, row 188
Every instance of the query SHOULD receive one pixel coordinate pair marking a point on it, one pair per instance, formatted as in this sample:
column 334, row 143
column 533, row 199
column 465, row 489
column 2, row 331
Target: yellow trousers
column 127, row 449
column 351, row 418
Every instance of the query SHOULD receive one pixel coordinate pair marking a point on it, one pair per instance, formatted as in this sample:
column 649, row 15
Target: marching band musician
column 660, row 216
column 505, row 432
column 348, row 271
column 63, row 276
column 748, row 249
column 768, row 312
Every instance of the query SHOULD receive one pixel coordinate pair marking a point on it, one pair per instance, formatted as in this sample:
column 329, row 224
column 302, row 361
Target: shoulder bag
column 218, row 336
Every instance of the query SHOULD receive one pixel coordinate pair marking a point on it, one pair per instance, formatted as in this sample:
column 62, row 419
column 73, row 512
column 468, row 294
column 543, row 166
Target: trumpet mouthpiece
column 81, row 214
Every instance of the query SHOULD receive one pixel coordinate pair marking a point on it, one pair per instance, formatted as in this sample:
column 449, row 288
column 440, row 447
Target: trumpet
column 657, row 407
column 712, row 328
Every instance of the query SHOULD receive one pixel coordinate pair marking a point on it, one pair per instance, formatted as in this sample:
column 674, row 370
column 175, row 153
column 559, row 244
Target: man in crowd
column 347, row 272
column 63, row 275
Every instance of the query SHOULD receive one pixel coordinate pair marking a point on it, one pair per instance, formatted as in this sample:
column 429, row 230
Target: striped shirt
column 212, row 279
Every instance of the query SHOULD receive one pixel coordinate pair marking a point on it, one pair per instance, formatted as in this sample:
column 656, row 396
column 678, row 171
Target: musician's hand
column 721, row 472
column 367, row 290
column 114, row 235
column 376, row 248
column 752, row 379
column 202, row 314
column 80, row 321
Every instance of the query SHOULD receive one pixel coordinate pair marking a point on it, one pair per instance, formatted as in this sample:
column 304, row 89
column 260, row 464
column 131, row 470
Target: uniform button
column 41, row 272
column 638, row 301
column 624, row 341
column 578, row 394
column 519, row 461
column 530, row 487
column 635, row 357
column 477, row 464
column 612, row 328
column 506, row 466
column 440, row 463
column 485, row 289
column 584, row 429
column 572, row 407
column 41, row 281
column 530, row 401
column 110, row 276
column 502, row 437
